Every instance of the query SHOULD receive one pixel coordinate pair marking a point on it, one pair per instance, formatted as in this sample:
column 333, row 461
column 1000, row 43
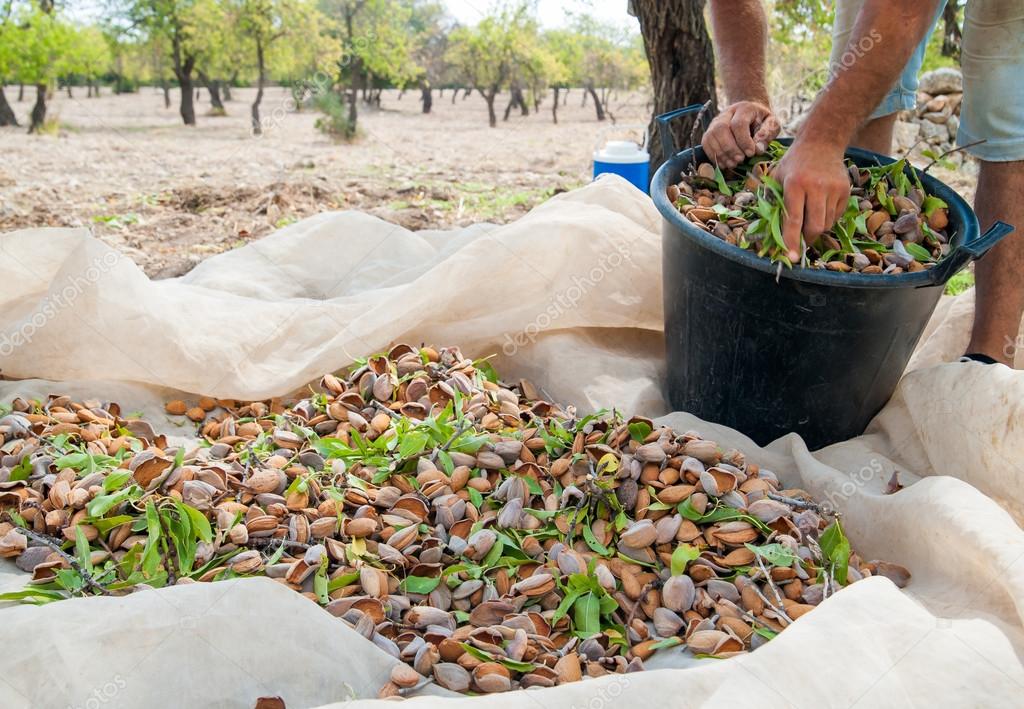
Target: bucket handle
column 668, row 146
column 969, row 252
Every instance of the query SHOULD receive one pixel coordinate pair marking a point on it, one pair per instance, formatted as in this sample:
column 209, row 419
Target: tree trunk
column 598, row 106
column 38, row 116
column 227, row 86
column 7, row 117
column 183, row 72
column 554, row 106
column 427, row 96
column 68, row 89
column 88, row 89
column 21, row 92
column 951, row 34
column 213, row 88
column 467, row 94
column 565, row 101
column 681, row 60
column 167, row 92
column 583, row 104
column 489, row 97
column 455, row 95
column 261, row 77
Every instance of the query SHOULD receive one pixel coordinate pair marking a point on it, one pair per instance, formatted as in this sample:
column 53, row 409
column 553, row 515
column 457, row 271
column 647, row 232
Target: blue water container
column 625, row 158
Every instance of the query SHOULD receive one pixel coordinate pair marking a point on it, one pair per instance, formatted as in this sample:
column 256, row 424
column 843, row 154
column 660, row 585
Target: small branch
column 775, row 590
column 52, row 544
column 932, row 164
column 794, row 502
column 696, row 124
column 275, row 542
column 377, row 405
column 459, row 430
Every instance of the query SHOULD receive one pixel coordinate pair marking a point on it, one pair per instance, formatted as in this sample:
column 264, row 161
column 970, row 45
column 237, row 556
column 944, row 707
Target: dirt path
column 169, row 195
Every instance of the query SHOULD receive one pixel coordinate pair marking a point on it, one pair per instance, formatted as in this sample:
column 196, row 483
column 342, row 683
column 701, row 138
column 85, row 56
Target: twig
column 279, row 542
column 72, row 561
column 696, row 124
column 794, row 502
column 932, row 164
column 775, row 590
column 459, row 430
column 376, row 404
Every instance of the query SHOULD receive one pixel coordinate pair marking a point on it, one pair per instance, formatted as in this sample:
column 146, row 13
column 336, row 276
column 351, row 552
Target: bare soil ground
column 171, row 195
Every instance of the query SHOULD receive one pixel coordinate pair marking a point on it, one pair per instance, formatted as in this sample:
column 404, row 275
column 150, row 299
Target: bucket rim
column 959, row 212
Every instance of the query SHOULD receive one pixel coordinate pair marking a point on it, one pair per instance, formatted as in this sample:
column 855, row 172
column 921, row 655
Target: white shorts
column 993, row 68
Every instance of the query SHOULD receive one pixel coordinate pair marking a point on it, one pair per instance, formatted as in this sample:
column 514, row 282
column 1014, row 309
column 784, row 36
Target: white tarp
column 568, row 297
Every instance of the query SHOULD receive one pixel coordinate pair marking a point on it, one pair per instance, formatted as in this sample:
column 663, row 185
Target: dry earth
column 170, row 195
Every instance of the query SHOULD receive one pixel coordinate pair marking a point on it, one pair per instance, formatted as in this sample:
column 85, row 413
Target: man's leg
column 993, row 111
column 876, row 135
column 999, row 293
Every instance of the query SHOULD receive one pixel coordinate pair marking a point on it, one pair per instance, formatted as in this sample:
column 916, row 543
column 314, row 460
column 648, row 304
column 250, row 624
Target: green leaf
column 592, row 541
column 931, row 203
column 723, row 187
column 667, row 642
column 918, row 252
column 420, row 584
column 116, row 480
column 33, row 595
column 342, row 581
column 775, row 554
column 447, row 464
column 639, row 431
column 413, row 443
column 765, row 632
column 320, row 584
column 102, row 504
column 683, row 555
column 105, row 525
column 836, row 548
column 200, row 525
column 22, row 470
column 82, row 551
column 587, row 614
column 151, row 552
column 475, row 497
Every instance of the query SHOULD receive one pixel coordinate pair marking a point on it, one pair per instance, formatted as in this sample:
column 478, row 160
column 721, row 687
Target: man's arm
column 744, row 128
column 815, row 185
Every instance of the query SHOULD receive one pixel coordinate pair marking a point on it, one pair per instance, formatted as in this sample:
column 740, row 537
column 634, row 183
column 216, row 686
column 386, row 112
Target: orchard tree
column 42, row 54
column 269, row 23
column 429, row 27
column 486, row 55
column 90, row 57
column 179, row 23
column 9, row 52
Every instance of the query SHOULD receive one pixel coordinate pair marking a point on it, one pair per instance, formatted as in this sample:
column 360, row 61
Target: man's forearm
column 884, row 37
column 740, row 33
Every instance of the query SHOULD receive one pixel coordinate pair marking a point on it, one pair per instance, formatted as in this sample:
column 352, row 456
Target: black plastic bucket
column 811, row 351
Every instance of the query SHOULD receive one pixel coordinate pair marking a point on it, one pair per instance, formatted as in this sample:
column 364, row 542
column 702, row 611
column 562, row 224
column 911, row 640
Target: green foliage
column 334, row 121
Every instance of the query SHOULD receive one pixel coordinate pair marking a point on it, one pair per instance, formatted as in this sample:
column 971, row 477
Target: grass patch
column 960, row 282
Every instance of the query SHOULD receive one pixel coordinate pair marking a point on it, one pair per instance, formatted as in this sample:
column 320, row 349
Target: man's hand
column 815, row 191
column 742, row 130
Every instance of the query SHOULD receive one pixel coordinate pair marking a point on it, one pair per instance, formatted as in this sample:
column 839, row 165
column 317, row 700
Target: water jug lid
column 622, row 151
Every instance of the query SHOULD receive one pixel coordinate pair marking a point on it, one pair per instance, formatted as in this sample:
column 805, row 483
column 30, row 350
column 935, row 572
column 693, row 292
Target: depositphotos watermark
column 566, row 300
column 848, row 488
column 56, row 301
column 854, row 52
column 102, row 695
column 607, row 695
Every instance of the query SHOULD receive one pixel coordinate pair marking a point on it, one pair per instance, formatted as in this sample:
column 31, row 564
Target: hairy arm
column 740, row 29
column 745, row 126
column 815, row 185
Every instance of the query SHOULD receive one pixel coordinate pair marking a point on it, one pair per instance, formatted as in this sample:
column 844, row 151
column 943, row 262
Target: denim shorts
column 992, row 64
